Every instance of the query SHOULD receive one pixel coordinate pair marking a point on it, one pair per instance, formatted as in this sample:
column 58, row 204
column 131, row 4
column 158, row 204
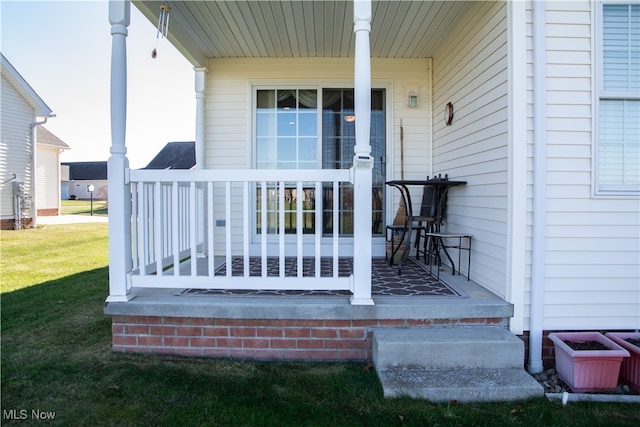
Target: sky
column 63, row 50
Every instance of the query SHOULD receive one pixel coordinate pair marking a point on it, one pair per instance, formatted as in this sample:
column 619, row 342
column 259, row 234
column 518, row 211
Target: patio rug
column 414, row 281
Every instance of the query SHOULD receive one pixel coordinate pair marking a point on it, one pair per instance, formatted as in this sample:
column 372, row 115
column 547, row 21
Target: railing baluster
column 135, row 262
column 211, row 230
column 201, row 219
column 175, row 224
column 143, row 237
column 227, row 224
column 183, row 208
column 317, row 226
column 264, row 191
column 281, row 215
column 336, row 228
column 245, row 227
column 158, row 219
column 166, row 224
column 194, row 230
column 299, row 227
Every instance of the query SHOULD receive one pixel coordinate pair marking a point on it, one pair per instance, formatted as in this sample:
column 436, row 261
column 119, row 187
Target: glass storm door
column 287, row 137
column 338, row 142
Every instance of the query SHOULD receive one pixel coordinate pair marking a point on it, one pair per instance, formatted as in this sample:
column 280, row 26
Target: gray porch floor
column 415, row 279
column 469, row 300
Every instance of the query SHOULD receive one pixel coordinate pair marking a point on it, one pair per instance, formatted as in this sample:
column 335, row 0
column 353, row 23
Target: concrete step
column 460, row 385
column 471, row 364
column 442, row 348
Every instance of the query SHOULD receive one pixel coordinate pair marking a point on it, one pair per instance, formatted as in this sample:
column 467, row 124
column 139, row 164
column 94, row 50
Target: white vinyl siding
column 228, row 105
column 47, row 178
column 15, row 145
column 229, row 119
column 471, row 71
column 592, row 257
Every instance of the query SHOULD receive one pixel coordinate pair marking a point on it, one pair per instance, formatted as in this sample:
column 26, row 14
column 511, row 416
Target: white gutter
column 536, row 317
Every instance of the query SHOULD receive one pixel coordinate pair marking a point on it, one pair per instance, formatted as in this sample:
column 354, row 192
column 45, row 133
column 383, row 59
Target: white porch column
column 200, row 82
column 362, row 160
column 118, row 165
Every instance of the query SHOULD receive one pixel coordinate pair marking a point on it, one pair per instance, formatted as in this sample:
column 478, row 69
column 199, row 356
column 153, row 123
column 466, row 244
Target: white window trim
column 598, row 93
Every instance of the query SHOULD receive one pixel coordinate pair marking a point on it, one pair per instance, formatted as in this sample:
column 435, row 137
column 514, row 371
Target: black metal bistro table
column 440, row 188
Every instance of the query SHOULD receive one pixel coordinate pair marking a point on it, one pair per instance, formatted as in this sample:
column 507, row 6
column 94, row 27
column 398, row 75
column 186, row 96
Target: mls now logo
column 23, row 414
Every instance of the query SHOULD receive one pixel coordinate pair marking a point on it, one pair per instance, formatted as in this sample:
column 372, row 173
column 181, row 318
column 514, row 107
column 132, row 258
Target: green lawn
column 83, row 207
column 56, row 357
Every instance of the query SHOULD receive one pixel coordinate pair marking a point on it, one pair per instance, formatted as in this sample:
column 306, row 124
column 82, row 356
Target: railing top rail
column 241, row 175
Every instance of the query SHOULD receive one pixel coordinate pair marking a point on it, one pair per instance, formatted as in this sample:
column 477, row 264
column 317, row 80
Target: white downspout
column 536, row 318
column 34, row 146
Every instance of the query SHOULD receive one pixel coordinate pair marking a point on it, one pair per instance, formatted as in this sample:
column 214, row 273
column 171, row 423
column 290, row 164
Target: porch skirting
column 263, row 339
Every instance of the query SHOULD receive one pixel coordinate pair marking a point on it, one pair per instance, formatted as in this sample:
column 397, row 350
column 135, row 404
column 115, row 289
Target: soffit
column 303, row 28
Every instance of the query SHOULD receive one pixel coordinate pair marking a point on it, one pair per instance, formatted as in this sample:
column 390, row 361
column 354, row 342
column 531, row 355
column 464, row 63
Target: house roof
column 302, row 28
column 175, row 155
column 45, row 137
column 24, row 89
column 84, row 171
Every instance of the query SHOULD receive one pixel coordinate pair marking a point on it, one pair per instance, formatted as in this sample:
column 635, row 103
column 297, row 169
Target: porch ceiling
column 302, row 28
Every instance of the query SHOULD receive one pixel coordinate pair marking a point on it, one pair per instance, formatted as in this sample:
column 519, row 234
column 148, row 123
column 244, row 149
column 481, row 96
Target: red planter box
column 588, row 370
column 630, row 369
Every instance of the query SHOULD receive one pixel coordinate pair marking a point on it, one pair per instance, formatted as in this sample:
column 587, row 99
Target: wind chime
column 163, row 27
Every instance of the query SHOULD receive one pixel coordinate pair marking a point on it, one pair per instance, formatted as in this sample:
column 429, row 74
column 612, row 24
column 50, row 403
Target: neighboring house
column 48, row 172
column 78, row 176
column 22, row 112
column 543, row 127
column 175, row 155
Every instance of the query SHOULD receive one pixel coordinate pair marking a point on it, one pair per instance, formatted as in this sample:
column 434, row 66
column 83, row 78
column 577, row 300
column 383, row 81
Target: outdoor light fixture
column 412, row 99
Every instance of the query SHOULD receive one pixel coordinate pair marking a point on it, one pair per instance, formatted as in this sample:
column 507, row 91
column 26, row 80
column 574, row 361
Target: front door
column 338, row 142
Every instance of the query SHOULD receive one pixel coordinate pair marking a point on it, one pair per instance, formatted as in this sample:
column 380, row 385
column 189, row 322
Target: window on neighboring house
column 314, row 128
column 618, row 136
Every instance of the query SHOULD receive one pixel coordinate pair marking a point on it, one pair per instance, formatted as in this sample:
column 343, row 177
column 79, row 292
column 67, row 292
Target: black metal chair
column 437, row 241
column 400, row 233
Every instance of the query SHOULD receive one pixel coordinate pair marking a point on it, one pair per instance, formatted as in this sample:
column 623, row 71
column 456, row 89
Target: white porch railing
column 186, row 224
column 158, row 220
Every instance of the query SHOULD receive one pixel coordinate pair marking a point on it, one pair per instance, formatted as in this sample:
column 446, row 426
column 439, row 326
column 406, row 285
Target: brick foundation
column 48, row 212
column 7, row 224
column 262, row 339
column 548, row 351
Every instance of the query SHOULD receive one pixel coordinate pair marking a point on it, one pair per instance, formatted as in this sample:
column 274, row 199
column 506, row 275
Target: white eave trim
column 20, row 84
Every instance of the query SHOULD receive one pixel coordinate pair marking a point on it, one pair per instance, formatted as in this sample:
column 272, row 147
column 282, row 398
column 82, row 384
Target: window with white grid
column 618, row 134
